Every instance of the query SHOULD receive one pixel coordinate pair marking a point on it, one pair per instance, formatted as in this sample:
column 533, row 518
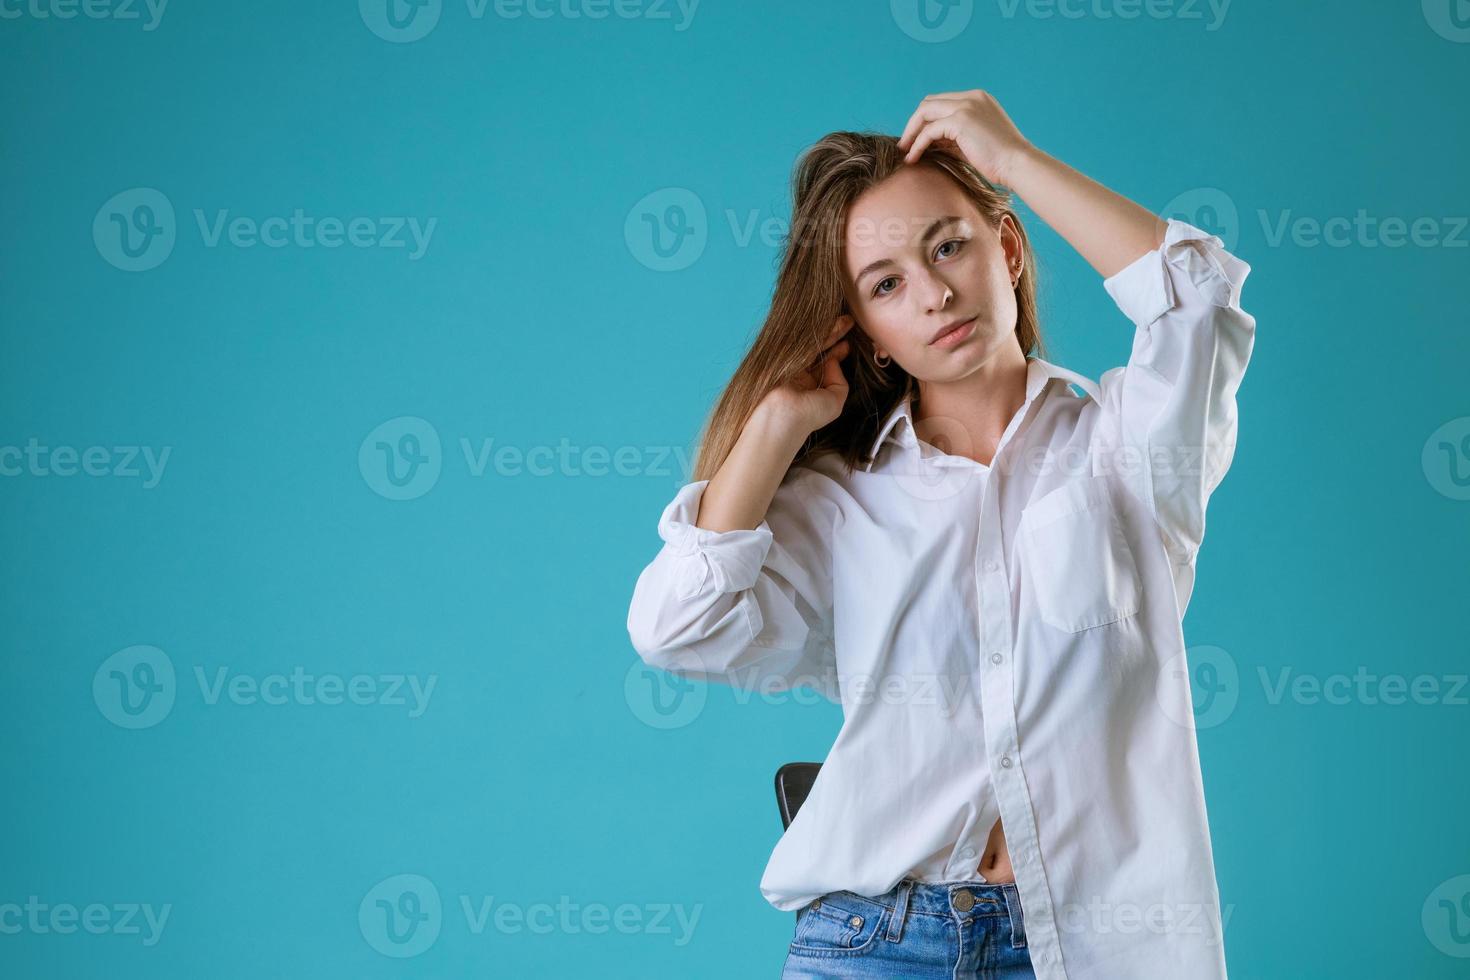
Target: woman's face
column 920, row 258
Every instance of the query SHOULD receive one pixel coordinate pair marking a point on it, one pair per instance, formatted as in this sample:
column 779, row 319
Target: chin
column 982, row 347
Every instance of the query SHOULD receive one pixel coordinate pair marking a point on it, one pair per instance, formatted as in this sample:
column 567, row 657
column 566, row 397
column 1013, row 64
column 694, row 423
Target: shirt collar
column 900, row 422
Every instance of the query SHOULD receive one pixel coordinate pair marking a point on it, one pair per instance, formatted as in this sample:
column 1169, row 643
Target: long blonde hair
column 826, row 180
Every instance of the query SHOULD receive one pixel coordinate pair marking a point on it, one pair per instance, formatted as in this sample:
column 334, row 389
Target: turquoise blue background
column 540, row 768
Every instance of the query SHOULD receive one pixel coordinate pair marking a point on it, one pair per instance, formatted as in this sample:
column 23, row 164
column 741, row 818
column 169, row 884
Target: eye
column 878, row 289
column 958, row 243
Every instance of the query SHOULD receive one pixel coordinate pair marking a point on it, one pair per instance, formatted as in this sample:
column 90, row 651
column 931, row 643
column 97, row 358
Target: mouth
column 952, row 334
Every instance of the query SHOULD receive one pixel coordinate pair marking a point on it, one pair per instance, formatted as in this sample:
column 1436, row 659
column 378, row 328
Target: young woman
column 898, row 503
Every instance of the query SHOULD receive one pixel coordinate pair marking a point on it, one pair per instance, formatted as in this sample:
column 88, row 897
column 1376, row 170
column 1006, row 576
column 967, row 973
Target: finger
column 817, row 369
column 933, row 107
column 939, row 129
column 920, row 116
column 832, row 376
column 840, row 326
column 836, row 352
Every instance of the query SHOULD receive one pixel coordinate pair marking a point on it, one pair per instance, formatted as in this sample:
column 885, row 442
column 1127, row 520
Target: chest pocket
column 1080, row 562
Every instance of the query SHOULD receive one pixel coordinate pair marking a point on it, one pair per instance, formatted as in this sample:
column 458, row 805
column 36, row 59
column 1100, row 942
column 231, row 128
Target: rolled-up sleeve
column 1173, row 407
column 748, row 608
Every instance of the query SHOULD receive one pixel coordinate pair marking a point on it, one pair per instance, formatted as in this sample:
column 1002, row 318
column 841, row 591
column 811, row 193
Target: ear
column 1010, row 242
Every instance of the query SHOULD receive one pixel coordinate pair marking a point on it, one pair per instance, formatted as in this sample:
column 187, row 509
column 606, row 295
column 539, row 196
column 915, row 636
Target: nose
column 935, row 291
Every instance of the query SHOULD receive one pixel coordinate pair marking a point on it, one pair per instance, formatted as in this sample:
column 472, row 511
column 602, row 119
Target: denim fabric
column 914, row 931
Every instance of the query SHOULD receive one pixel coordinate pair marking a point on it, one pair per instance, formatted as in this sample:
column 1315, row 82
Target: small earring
column 887, row 360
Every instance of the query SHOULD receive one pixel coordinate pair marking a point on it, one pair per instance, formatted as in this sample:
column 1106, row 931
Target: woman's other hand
column 815, row 396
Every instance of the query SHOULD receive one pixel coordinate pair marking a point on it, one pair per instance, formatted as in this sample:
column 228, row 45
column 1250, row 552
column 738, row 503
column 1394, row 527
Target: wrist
column 778, row 423
column 1018, row 165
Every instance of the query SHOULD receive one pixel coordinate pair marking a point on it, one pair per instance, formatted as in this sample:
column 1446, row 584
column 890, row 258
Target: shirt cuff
column 729, row 561
column 1145, row 290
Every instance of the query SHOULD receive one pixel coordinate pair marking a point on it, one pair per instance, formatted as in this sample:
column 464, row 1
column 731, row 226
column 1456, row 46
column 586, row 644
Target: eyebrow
column 929, row 233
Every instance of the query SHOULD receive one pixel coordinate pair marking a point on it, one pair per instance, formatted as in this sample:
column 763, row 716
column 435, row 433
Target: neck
column 971, row 413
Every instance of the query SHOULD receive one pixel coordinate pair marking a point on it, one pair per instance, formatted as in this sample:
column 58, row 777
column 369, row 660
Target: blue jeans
column 916, row 931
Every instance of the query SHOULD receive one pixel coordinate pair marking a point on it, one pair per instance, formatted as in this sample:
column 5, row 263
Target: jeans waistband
column 963, row 898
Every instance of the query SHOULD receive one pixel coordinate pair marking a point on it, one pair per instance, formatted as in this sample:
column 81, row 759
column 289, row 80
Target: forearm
column 741, row 491
column 1106, row 228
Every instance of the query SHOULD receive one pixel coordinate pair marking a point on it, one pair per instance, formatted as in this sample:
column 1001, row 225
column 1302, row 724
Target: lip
column 953, row 334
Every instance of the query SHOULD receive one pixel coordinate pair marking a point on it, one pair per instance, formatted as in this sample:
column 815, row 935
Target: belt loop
column 1018, row 916
column 900, row 910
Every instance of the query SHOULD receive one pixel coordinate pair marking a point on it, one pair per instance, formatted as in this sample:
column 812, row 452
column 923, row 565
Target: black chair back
column 793, row 782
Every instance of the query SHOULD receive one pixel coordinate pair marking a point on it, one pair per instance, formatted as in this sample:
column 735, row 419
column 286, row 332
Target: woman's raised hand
column 815, row 396
column 974, row 123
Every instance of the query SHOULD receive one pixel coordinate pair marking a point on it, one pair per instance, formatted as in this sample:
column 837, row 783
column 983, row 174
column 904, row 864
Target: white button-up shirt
column 1004, row 640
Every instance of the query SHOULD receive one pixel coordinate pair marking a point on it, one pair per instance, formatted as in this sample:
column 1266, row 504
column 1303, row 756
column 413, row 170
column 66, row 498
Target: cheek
column 887, row 329
column 1005, row 308
column 995, row 281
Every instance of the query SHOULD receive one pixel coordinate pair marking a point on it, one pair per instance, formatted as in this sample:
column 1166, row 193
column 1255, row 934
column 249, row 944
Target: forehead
column 893, row 214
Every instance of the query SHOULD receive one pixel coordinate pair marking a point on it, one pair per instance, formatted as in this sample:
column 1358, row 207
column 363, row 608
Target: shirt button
column 967, row 853
column 991, row 564
column 995, row 657
column 1005, row 761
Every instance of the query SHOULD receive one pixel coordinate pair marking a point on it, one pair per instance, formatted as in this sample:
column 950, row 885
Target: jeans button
column 964, row 900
